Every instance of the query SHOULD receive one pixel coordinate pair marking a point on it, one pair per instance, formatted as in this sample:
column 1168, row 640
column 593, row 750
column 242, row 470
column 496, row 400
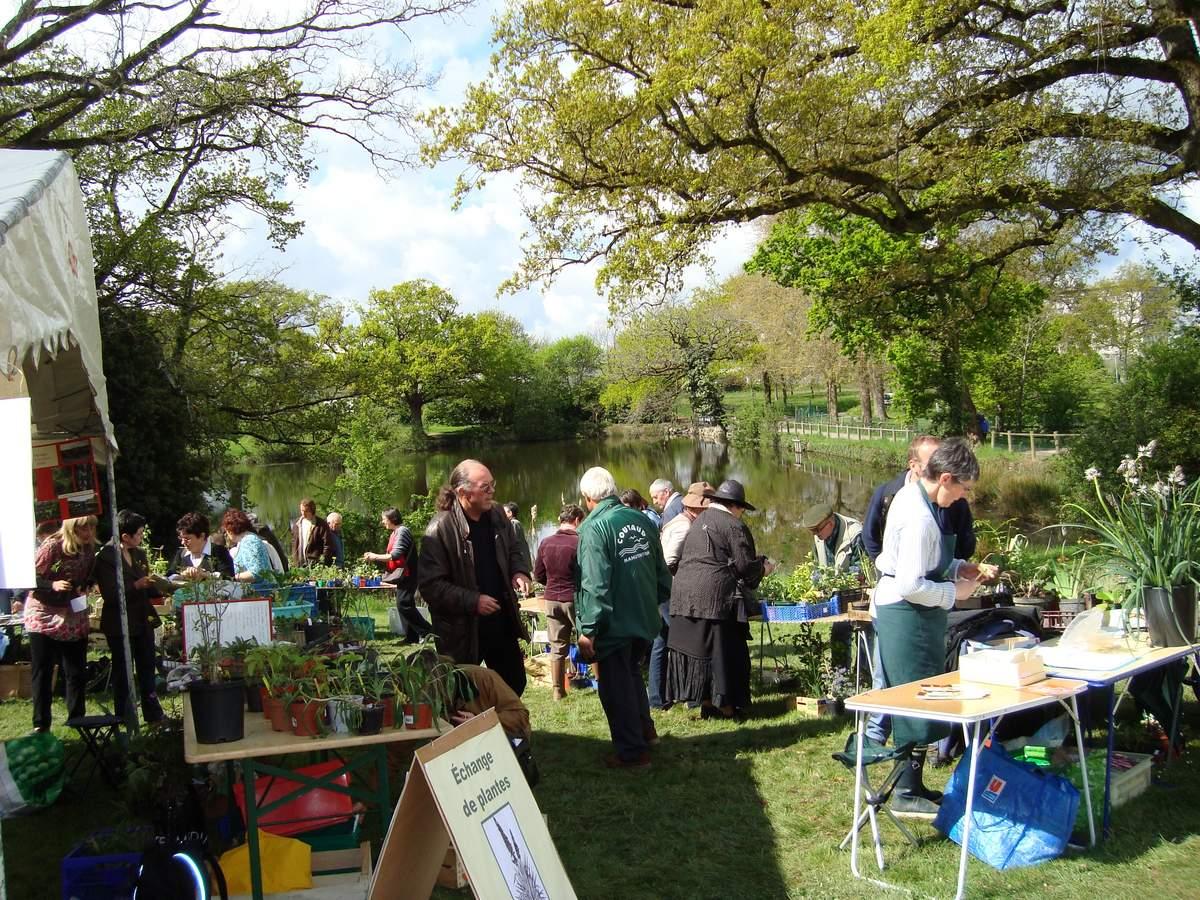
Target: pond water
column 546, row 475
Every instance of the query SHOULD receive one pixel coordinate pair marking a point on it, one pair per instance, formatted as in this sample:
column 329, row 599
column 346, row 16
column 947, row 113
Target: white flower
column 1148, row 450
column 1092, row 474
column 1128, row 469
column 1176, row 477
column 1163, row 490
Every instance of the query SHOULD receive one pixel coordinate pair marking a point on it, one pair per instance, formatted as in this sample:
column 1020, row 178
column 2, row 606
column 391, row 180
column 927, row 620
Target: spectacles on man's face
column 820, row 528
column 488, row 487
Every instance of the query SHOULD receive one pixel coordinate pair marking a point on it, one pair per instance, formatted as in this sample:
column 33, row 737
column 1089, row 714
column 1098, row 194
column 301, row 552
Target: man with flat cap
column 837, row 539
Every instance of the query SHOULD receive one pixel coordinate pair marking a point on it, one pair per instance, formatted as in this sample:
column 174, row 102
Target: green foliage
column 644, row 129
column 806, row 583
column 165, row 454
column 756, row 424
column 1159, row 399
column 927, row 303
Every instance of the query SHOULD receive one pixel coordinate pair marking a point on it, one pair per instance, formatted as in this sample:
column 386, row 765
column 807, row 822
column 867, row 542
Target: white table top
column 1151, row 659
column 262, row 740
column 902, row 700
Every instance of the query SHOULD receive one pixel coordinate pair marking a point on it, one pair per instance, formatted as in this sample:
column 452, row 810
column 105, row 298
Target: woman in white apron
column 920, row 580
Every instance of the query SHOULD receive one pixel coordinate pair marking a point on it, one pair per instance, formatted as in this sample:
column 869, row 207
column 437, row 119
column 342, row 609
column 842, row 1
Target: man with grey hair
column 621, row 580
column 334, row 521
column 471, row 575
column 665, row 497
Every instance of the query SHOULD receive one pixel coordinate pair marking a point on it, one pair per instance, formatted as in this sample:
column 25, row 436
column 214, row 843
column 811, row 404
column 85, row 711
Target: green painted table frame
column 371, row 754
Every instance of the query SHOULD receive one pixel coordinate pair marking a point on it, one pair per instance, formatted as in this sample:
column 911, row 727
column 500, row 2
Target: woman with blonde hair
column 56, row 618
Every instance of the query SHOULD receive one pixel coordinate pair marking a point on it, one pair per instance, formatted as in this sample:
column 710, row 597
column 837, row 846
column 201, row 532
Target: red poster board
column 65, row 483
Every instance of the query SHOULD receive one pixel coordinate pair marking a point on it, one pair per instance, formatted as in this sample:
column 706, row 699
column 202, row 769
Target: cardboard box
column 1010, row 668
column 815, row 706
column 452, row 875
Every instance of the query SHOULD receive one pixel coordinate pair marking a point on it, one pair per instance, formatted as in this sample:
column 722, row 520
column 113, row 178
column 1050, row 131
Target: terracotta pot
column 306, row 717
column 277, row 713
column 389, row 710
column 266, row 698
column 418, row 716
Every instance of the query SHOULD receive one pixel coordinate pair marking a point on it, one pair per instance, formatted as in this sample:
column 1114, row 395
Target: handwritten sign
column 238, row 619
column 467, row 788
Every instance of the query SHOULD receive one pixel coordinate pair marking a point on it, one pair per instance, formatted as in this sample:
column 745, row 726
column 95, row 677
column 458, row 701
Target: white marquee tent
column 49, row 334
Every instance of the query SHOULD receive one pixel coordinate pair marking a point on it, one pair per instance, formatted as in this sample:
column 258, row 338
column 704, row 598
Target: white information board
column 467, row 788
column 16, row 496
column 239, row 619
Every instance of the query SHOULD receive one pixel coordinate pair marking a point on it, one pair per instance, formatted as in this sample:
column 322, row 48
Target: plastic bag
column 396, row 622
column 286, row 865
column 1021, row 817
column 31, row 772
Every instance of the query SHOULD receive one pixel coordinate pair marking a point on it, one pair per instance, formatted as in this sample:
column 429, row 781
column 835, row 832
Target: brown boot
column 557, row 678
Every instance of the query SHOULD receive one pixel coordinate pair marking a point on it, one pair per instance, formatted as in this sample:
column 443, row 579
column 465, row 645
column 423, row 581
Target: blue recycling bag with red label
column 1022, row 815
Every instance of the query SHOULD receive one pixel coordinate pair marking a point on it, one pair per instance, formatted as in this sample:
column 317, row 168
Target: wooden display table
column 1000, row 701
column 261, row 741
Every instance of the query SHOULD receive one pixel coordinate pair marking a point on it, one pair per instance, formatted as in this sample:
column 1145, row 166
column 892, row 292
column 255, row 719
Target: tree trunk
column 783, row 388
column 877, row 388
column 416, row 416
column 865, row 398
column 766, row 383
column 831, row 403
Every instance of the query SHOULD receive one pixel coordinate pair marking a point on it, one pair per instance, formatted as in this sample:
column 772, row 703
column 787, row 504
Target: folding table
column 1146, row 660
column 261, row 741
column 1000, row 701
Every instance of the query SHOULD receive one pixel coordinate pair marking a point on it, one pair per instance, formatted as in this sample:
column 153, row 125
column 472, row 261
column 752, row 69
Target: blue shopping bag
column 1022, row 815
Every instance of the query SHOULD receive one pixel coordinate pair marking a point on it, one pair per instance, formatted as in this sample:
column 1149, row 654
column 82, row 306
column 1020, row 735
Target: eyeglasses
column 486, row 486
column 820, row 527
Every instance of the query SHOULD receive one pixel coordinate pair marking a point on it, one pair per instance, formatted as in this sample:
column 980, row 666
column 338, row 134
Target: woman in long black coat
column 707, row 657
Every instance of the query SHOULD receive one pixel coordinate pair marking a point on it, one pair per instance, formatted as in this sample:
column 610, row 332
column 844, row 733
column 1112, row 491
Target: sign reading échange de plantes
column 467, row 788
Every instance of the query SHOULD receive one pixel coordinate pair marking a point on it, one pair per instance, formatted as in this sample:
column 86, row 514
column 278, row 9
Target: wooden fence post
column 993, row 437
column 1032, row 445
column 1009, row 435
column 1056, row 444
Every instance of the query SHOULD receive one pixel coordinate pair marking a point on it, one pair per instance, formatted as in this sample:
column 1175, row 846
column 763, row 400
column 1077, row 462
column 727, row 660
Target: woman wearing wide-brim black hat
column 708, row 660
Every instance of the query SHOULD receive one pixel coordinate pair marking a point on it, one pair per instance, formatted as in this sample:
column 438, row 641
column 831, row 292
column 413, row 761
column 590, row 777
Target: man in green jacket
column 621, row 579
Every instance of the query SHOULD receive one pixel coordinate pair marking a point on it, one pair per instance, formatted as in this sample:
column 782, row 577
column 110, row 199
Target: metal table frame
column 1107, row 681
column 970, row 714
column 261, row 742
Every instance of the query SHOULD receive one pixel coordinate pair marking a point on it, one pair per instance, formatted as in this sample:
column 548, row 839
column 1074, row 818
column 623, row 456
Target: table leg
column 972, row 737
column 248, row 782
column 858, row 780
column 1112, row 708
column 385, row 793
column 1087, row 791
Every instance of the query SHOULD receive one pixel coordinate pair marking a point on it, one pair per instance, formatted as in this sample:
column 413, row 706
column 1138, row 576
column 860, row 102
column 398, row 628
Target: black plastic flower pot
column 372, row 719
column 254, row 700
column 218, row 711
column 1170, row 615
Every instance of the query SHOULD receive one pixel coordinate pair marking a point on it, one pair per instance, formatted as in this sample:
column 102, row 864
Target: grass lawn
column 726, row 811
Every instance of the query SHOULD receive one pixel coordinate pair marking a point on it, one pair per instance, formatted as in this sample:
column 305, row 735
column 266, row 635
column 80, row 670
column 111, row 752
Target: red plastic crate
column 316, row 807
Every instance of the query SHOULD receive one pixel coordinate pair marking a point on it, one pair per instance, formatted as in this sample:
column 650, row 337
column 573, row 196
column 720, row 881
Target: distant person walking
column 311, row 545
column 513, row 512
column 471, row 574
column 334, row 521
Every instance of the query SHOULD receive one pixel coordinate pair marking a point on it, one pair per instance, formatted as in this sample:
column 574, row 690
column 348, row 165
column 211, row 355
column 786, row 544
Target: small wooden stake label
column 467, row 788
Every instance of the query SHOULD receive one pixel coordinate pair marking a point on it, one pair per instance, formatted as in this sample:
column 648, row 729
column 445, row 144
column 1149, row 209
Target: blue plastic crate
column 801, row 612
column 364, row 624
column 107, row 877
column 301, row 593
column 292, row 611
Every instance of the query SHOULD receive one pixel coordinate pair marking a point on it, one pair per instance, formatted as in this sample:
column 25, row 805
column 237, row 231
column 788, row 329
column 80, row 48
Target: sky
column 364, row 230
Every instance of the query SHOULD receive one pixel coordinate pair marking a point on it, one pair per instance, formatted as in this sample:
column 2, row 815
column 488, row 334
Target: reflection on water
column 547, row 474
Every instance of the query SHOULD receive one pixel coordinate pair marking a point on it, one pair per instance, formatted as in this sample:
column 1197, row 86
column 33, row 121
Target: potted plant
column 426, row 683
column 307, row 698
column 275, row 665
column 217, row 702
column 345, row 702
column 1070, row 578
column 1147, row 538
column 379, row 691
column 810, row 670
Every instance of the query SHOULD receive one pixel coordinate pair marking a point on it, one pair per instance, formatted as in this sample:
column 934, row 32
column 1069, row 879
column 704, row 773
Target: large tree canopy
column 644, row 126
